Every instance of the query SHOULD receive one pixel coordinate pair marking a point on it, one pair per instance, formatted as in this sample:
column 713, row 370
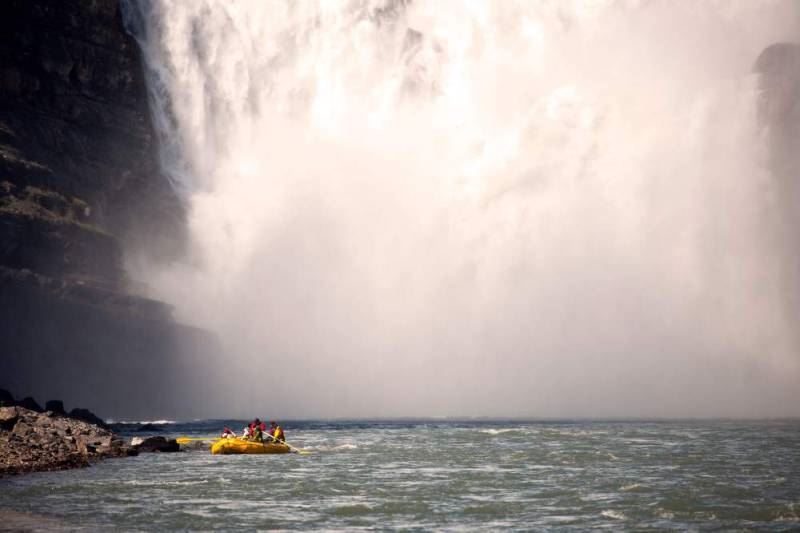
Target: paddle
column 293, row 448
column 184, row 440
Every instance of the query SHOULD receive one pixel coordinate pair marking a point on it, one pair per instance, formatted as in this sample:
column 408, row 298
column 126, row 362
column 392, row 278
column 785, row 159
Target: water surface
column 444, row 475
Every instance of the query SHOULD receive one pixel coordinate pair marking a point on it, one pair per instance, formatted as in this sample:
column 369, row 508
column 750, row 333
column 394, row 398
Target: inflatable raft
column 232, row 446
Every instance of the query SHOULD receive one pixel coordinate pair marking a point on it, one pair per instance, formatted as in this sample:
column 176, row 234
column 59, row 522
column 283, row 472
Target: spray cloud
column 476, row 208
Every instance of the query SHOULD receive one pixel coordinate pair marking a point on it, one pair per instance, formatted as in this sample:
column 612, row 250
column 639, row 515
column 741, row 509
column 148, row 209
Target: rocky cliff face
column 77, row 147
column 79, row 182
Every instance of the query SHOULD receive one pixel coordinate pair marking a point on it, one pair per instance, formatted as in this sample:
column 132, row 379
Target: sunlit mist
column 496, row 208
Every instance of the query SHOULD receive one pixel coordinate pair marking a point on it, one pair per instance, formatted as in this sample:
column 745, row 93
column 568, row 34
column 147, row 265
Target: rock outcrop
column 87, row 416
column 31, row 441
column 31, row 404
column 56, row 406
column 53, row 407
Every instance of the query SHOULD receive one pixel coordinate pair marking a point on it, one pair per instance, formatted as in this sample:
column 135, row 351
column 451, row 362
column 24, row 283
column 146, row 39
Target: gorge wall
column 79, row 182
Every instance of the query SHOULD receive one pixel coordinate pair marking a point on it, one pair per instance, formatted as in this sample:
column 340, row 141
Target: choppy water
column 444, row 475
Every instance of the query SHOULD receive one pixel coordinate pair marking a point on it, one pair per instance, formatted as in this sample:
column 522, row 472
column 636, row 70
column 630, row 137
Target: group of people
column 257, row 431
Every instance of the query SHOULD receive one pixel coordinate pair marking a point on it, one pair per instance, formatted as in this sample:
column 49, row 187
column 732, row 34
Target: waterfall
column 476, row 208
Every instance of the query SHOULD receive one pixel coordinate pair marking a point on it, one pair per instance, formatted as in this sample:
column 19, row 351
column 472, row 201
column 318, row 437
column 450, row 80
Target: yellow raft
column 232, row 446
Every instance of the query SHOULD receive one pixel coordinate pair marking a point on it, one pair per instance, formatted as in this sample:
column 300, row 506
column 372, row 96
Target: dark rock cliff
column 76, row 143
column 79, row 182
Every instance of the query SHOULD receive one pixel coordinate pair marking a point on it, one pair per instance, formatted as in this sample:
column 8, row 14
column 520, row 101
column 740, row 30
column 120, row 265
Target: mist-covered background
column 538, row 209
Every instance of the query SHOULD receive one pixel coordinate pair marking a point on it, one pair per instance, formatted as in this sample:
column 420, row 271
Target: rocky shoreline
column 35, row 440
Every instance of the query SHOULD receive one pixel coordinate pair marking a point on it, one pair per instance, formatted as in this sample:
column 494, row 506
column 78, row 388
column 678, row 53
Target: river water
column 443, row 475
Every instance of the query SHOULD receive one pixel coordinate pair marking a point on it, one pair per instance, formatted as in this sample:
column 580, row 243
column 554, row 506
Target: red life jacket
column 263, row 426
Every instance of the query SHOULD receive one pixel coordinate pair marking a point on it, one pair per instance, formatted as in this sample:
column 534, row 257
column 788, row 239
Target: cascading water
column 475, row 208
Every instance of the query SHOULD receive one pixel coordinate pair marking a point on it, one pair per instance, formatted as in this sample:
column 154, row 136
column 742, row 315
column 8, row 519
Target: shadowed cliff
column 79, row 182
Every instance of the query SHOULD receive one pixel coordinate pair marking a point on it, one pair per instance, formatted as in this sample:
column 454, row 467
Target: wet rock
column 158, row 444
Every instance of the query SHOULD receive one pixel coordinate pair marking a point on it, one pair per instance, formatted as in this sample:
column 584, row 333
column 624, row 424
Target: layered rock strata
column 80, row 183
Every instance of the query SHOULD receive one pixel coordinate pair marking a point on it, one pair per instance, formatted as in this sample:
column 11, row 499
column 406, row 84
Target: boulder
column 56, row 406
column 101, row 441
column 6, row 399
column 30, row 403
column 21, row 429
column 8, row 417
column 158, row 444
column 87, row 416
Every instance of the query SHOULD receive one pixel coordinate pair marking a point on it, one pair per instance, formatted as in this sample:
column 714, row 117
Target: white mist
column 476, row 208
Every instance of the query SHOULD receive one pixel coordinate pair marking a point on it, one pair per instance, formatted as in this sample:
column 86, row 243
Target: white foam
column 323, row 448
column 616, row 515
column 140, row 422
column 498, row 431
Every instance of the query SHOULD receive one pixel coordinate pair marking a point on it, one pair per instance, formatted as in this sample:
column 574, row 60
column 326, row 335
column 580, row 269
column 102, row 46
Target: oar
column 185, row 440
column 294, row 449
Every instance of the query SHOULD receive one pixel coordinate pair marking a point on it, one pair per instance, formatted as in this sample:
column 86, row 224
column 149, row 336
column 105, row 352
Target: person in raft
column 258, row 435
column 276, row 432
column 256, row 430
column 228, row 434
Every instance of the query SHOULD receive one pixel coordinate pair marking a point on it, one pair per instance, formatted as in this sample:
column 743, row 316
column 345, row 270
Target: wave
column 148, row 483
column 500, row 431
column 331, row 448
column 139, row 422
column 616, row 515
